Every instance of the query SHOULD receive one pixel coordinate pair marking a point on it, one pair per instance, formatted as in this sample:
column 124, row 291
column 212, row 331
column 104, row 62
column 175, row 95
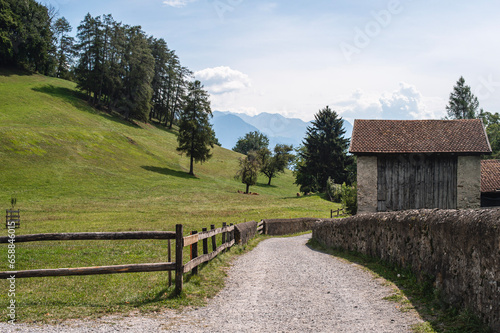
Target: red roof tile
column 419, row 136
column 490, row 176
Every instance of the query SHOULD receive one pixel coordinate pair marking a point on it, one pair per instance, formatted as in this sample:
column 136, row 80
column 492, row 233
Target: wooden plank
column 93, row 236
column 191, row 239
column 206, row 257
column 156, row 267
column 210, row 233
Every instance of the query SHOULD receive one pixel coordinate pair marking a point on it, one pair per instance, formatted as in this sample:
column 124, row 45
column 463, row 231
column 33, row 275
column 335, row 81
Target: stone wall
column 458, row 249
column 469, row 182
column 280, row 227
column 367, row 184
column 243, row 232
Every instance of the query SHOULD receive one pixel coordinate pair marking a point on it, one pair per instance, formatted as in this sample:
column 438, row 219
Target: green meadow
column 76, row 169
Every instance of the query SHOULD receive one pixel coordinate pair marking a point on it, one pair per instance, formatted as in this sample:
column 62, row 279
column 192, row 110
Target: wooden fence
column 260, row 228
column 177, row 266
column 338, row 212
column 12, row 218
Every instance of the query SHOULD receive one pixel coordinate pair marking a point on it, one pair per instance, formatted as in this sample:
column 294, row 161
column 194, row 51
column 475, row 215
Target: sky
column 377, row 59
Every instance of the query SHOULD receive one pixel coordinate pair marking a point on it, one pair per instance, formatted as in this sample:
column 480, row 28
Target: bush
column 350, row 198
column 334, row 191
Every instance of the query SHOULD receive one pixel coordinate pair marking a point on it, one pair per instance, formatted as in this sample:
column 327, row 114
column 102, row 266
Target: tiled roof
column 419, row 136
column 490, row 175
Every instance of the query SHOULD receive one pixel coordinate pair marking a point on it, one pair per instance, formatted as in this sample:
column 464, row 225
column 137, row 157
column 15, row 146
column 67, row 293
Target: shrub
column 350, row 198
column 334, row 191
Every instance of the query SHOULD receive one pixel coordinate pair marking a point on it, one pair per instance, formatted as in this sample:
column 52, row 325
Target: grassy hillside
column 66, row 162
column 75, row 169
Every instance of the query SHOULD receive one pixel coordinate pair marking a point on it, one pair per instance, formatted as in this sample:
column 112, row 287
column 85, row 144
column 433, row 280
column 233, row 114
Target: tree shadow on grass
column 159, row 126
column 11, row 71
column 78, row 100
column 265, row 185
column 169, row 172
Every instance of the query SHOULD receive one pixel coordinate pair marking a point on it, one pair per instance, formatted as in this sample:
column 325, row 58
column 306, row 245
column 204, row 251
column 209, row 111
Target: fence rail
column 339, row 212
column 260, row 227
column 177, row 266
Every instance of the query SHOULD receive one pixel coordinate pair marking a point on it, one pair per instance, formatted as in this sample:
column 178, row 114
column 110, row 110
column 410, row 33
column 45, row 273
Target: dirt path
column 281, row 286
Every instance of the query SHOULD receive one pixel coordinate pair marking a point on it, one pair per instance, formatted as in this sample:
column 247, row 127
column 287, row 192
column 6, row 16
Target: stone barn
column 490, row 183
column 413, row 164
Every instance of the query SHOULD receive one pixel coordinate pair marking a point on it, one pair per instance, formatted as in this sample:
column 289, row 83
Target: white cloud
column 404, row 103
column 223, row 79
column 177, row 3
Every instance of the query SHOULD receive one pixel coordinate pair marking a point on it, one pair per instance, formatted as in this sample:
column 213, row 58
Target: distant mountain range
column 229, row 127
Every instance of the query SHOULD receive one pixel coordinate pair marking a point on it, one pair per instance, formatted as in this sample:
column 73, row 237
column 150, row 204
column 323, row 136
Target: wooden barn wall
column 416, row 181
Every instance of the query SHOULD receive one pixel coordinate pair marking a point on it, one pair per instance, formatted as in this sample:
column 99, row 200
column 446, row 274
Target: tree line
column 118, row 66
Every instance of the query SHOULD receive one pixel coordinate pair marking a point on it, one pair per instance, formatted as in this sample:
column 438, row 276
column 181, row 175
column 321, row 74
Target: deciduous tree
column 249, row 169
column 274, row 164
column 492, row 123
column 251, row 141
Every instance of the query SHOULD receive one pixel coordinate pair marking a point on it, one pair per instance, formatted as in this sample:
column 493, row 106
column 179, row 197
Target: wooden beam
column 191, row 239
column 210, row 233
column 206, row 257
column 134, row 268
column 92, row 236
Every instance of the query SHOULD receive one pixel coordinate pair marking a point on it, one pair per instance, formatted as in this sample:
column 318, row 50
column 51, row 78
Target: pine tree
column 139, row 72
column 462, row 104
column 324, row 153
column 65, row 47
column 195, row 131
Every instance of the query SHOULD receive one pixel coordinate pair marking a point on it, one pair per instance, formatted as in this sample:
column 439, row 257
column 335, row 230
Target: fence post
column 331, row 213
column 169, row 260
column 231, row 233
column 224, row 224
column 179, row 267
column 205, row 243
column 194, row 253
column 214, row 239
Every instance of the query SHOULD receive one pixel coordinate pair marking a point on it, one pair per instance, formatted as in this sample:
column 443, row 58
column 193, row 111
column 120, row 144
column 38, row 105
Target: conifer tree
column 65, row 47
column 324, row 153
column 462, row 104
column 195, row 131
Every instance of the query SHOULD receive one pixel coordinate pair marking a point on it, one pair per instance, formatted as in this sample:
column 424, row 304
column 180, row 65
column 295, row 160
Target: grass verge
column 410, row 294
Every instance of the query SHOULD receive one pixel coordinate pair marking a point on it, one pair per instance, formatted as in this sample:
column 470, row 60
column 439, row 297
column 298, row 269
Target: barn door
column 416, row 181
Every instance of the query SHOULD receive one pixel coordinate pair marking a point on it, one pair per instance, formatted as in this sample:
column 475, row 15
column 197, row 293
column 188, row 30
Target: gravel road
column 280, row 286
